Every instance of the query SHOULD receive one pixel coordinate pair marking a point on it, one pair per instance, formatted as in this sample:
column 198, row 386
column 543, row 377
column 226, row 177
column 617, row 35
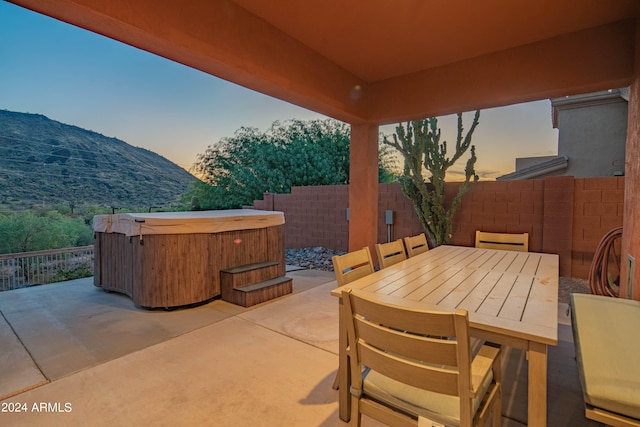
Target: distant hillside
column 42, row 160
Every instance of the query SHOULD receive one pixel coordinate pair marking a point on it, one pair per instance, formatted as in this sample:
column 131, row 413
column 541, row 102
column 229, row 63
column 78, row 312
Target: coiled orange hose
column 599, row 282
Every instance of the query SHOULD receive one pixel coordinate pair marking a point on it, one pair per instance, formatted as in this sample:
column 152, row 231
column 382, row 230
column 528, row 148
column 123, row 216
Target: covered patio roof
column 377, row 62
column 380, row 61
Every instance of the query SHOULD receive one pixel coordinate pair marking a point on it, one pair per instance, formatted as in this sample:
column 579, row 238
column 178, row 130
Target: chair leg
column 497, row 409
column 356, row 417
column 336, row 381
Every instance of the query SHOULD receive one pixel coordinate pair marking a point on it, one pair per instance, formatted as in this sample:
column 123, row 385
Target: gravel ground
column 571, row 286
column 319, row 258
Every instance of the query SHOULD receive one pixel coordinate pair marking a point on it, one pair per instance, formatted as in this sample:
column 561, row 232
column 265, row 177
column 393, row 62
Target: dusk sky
column 83, row 79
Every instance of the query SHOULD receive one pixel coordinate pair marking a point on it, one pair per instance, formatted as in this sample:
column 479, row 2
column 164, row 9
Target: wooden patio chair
column 416, row 244
column 506, row 241
column 352, row 266
column 390, row 253
column 409, row 366
column 349, row 267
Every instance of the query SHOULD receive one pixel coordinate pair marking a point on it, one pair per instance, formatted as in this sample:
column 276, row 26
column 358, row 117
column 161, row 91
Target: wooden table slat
column 447, row 286
column 479, row 294
column 417, row 279
column 515, row 303
column 540, row 310
column 426, row 286
column 518, row 263
column 463, row 289
column 531, row 266
column 505, row 262
column 495, row 300
column 493, row 260
column 480, row 259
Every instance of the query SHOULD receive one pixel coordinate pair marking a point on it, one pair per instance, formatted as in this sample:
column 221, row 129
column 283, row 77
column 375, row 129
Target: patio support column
column 631, row 220
column 363, row 187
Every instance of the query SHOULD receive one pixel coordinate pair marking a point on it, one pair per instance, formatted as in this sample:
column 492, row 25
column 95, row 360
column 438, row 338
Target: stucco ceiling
column 380, row 39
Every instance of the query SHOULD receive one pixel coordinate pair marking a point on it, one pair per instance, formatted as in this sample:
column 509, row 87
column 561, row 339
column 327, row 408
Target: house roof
column 587, row 100
column 380, row 61
column 538, row 170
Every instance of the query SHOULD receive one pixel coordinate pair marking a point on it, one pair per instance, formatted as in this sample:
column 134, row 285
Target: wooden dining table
column 511, row 297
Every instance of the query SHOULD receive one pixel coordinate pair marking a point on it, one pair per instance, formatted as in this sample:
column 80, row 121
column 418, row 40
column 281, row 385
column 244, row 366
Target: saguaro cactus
column 425, row 167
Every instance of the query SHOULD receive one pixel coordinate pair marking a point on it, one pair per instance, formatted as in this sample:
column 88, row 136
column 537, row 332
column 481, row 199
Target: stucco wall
column 562, row 215
column 592, row 133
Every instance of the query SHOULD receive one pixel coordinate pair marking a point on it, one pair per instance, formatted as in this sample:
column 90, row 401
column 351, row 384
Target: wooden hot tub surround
column 176, row 258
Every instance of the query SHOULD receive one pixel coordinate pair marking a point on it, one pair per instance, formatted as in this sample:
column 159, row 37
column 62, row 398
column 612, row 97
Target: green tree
column 386, row 164
column 207, row 195
column 424, row 154
column 88, row 211
column 29, row 231
column 23, row 233
column 73, row 232
column 238, row 170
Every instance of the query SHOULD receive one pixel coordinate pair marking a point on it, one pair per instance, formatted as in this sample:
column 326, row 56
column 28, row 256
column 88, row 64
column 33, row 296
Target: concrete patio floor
column 74, row 355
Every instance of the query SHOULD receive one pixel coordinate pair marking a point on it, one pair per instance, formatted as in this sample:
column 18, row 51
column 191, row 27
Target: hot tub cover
column 141, row 224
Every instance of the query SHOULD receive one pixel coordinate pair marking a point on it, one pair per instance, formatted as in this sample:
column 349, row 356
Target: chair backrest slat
column 390, row 253
column 352, row 266
column 416, row 244
column 404, row 319
column 428, row 377
column 418, row 347
column 505, row 241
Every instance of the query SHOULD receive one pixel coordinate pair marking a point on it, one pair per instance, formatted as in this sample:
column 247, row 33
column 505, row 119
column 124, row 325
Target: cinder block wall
column 562, row 215
column 500, row 207
column 597, row 208
column 314, row 216
column 405, row 221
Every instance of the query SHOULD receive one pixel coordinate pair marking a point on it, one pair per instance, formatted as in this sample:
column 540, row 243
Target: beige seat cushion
column 434, row 406
column 607, row 345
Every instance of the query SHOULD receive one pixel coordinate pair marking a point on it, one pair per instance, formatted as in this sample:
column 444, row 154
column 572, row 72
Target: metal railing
column 24, row 269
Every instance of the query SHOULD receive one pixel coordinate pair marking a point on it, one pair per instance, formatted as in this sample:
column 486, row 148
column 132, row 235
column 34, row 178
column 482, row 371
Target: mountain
column 45, row 161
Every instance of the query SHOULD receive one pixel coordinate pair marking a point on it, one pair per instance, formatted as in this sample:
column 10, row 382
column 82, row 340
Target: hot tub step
column 250, row 273
column 256, row 293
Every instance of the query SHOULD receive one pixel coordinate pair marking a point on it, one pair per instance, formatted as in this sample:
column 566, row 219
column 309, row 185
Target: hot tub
column 172, row 259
